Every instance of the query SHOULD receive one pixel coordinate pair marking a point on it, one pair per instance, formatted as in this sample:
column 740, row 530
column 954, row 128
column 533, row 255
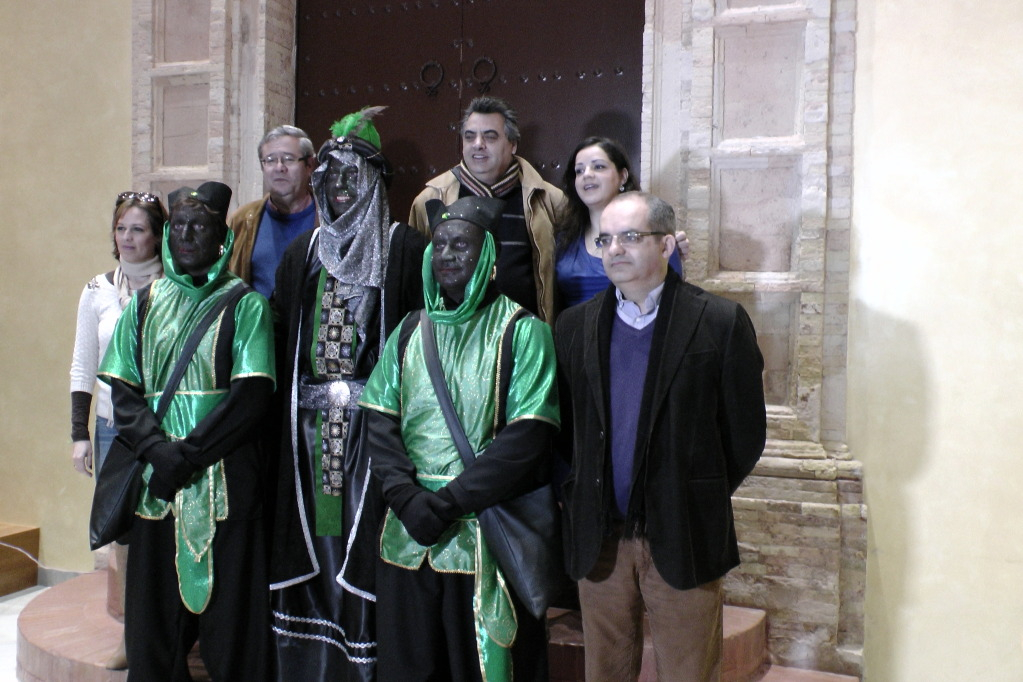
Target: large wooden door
column 570, row 71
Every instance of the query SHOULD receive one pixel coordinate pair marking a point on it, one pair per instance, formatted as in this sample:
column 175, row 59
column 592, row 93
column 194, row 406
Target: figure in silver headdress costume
column 339, row 291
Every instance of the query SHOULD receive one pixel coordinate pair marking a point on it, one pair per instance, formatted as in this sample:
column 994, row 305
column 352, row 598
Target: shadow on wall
column 888, row 411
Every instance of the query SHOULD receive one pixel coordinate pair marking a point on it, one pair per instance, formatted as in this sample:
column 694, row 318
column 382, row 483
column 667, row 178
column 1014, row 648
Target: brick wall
column 801, row 525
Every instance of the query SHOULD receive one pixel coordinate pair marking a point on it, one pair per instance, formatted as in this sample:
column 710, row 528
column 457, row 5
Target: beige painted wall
column 935, row 351
column 937, row 305
column 65, row 145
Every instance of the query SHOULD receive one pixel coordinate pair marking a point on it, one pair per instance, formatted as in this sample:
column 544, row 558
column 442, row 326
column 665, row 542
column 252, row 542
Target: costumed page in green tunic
column 469, row 344
column 175, row 307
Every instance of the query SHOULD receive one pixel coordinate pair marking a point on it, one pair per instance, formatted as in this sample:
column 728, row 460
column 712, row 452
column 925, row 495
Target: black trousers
column 426, row 630
column 234, row 628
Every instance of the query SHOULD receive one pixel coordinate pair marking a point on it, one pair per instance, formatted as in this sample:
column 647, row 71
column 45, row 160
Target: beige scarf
column 140, row 274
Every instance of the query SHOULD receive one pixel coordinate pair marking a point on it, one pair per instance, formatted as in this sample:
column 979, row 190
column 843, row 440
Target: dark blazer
column 702, row 428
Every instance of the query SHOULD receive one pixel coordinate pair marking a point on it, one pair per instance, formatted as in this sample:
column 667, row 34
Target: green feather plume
column 359, row 124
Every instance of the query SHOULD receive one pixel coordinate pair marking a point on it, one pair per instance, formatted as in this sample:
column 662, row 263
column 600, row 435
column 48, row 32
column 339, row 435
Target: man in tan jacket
column 525, row 231
column 264, row 228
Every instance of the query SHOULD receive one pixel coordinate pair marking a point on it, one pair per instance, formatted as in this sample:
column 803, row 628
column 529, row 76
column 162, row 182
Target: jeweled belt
column 324, row 395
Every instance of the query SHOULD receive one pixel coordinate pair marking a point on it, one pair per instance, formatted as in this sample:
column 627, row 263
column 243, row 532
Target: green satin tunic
column 176, row 306
column 469, row 357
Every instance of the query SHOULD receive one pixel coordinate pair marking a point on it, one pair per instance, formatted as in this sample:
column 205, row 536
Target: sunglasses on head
column 145, row 197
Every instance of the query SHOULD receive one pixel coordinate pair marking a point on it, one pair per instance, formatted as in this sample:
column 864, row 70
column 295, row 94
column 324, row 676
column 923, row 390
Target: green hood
column 475, row 290
column 219, row 269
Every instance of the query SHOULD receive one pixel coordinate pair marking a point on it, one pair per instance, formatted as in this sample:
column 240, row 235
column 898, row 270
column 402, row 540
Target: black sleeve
column 285, row 301
column 563, row 441
column 81, row 404
column 517, row 461
column 390, row 462
column 137, row 425
column 742, row 420
column 403, row 286
column 135, row 422
column 230, row 423
column 425, row 514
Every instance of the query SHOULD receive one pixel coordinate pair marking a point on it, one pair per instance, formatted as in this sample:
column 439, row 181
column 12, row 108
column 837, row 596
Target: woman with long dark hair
column 597, row 171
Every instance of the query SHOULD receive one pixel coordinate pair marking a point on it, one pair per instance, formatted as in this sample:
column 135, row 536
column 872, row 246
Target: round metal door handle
column 433, row 84
column 484, row 82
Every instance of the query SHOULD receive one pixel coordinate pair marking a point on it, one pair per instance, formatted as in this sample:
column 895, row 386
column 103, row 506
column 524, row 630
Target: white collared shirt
column 632, row 315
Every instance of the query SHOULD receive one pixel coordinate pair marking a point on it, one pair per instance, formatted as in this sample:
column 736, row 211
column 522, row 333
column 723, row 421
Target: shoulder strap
column 507, row 364
column 142, row 308
column 408, row 325
column 224, row 363
column 192, row 343
column 440, row 387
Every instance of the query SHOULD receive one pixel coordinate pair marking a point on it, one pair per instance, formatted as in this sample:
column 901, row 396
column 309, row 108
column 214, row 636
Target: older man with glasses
column 264, row 228
column 662, row 407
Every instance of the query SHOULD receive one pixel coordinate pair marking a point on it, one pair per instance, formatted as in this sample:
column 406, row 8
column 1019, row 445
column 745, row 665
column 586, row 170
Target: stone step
column 66, row 634
column 743, row 654
column 744, row 651
column 745, row 643
column 17, row 571
column 777, row 673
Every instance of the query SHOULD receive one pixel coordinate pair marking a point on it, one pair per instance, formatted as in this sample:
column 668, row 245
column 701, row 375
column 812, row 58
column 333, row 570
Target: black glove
column 191, row 453
column 449, row 499
column 426, row 516
column 168, row 463
column 160, row 488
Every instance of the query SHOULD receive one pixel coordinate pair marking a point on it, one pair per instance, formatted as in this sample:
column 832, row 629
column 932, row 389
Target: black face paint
column 195, row 240
column 456, row 252
column 341, row 186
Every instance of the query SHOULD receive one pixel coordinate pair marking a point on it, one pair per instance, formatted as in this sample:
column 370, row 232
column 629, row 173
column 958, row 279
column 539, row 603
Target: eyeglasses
column 145, row 197
column 287, row 159
column 630, row 238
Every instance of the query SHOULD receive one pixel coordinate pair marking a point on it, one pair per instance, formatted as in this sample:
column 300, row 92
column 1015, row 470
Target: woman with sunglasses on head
column 597, row 171
column 137, row 230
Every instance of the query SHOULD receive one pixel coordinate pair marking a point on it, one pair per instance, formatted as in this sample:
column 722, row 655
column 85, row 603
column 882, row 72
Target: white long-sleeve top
column 98, row 310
